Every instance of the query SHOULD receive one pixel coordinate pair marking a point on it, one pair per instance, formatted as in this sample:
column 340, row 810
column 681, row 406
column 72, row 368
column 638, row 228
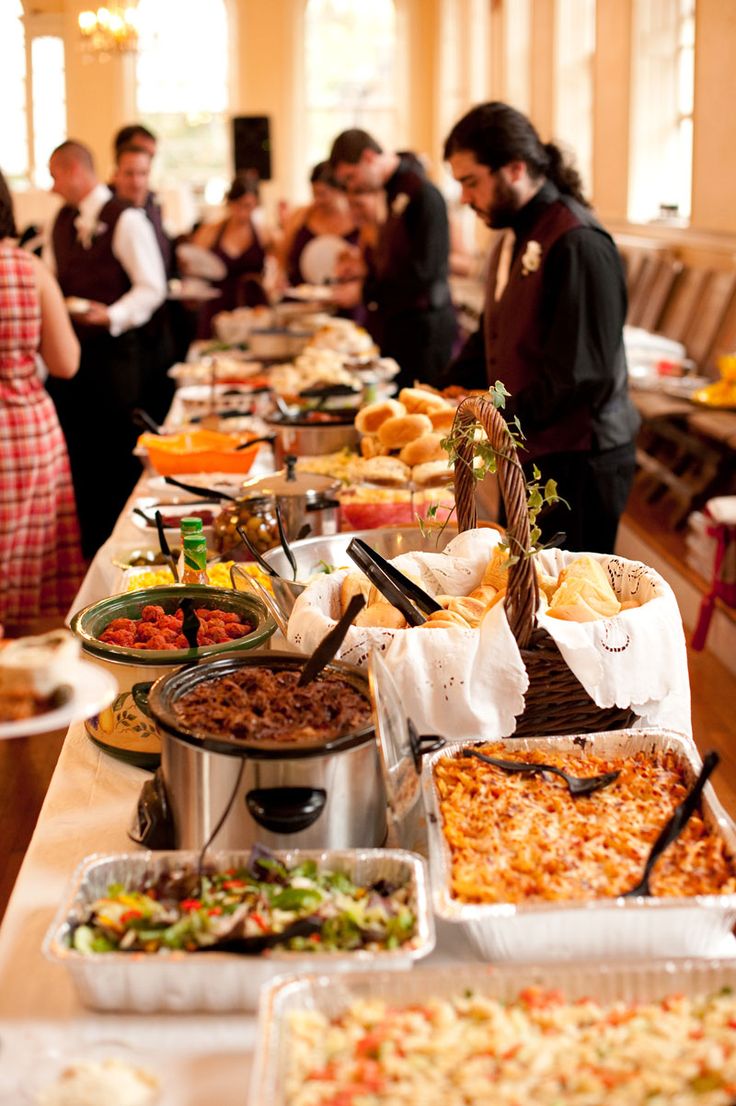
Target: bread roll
column 444, row 620
column 548, row 585
column 355, row 583
column 369, row 418
column 423, row 449
column 369, row 446
column 381, row 615
column 472, row 610
column 387, row 471
column 420, row 401
column 496, row 573
column 485, row 593
column 397, row 432
column 433, row 474
column 585, row 593
column 442, row 419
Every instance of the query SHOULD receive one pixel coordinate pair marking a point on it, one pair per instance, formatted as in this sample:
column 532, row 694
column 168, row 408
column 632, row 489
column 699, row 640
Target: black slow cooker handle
column 285, row 809
column 421, row 746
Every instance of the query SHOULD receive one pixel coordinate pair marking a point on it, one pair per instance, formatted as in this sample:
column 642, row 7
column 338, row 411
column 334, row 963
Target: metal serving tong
column 577, row 785
column 398, row 589
column 672, row 829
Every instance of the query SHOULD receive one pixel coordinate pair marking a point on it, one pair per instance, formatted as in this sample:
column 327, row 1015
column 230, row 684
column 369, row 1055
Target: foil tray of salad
column 149, row 932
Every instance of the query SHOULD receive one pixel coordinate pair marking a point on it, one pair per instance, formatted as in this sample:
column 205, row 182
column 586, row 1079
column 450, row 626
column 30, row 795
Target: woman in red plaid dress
column 40, row 559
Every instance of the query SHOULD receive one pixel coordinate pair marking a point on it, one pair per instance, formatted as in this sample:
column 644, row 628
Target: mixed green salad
column 261, row 905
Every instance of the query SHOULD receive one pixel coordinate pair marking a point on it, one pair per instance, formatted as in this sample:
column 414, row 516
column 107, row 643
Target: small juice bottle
column 195, row 559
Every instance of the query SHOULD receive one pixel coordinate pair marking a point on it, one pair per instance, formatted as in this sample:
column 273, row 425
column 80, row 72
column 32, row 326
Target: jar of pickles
column 256, row 515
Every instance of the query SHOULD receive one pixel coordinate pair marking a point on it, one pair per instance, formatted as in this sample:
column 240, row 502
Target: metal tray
column 694, row 926
column 606, row 983
column 219, row 981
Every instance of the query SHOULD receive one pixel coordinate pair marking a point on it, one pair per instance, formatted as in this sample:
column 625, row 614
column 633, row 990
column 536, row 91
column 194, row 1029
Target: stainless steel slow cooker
column 328, row 796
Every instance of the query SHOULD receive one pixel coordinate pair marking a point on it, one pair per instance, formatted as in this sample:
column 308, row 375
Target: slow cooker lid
column 288, row 482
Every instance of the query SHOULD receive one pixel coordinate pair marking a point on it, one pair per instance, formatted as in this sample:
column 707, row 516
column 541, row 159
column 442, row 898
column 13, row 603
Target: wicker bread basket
column 556, row 701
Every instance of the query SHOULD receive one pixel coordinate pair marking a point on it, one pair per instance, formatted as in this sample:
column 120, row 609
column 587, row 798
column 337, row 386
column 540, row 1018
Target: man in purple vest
column 108, row 264
column 552, row 328
column 405, row 285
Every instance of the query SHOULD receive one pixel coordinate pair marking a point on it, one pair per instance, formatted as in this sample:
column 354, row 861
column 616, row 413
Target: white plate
column 93, row 689
column 199, row 262
column 180, row 508
column 75, row 305
column 319, row 257
column 193, row 289
column 310, row 292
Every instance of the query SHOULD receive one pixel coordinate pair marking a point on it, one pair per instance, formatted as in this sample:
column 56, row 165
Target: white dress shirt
column 134, row 245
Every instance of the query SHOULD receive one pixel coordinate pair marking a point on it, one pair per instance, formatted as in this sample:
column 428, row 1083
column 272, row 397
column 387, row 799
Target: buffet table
column 201, row 1059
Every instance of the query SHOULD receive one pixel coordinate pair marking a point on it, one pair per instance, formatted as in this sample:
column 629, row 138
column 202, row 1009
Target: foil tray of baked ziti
column 178, row 979
column 629, row 1033
column 531, row 873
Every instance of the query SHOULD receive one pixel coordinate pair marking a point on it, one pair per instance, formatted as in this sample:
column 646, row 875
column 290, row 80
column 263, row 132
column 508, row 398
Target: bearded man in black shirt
column 552, row 327
column 405, row 286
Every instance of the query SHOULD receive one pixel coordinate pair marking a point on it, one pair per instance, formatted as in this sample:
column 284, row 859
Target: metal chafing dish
column 218, row 981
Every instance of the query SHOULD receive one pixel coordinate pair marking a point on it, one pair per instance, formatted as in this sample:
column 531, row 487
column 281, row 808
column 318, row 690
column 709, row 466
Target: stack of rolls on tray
column 581, row 592
column 402, row 440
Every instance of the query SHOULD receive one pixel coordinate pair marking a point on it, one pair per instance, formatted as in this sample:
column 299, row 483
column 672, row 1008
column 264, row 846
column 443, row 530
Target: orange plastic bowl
column 198, row 451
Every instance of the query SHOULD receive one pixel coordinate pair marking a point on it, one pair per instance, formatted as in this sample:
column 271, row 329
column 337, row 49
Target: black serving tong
column 270, row 438
column 331, row 642
column 190, row 623
column 195, row 490
column 255, row 554
column 288, row 552
column 398, row 589
column 674, row 826
column 165, row 550
column 302, row 927
column 577, row 785
column 144, row 421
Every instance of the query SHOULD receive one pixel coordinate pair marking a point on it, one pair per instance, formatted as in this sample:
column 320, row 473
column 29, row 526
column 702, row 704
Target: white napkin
column 465, row 684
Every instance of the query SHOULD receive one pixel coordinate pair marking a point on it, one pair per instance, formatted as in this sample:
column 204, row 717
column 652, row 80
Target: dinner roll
column 381, row 615
column 496, row 573
column 369, row 446
column 420, row 401
column 424, row 448
column 387, row 471
column 472, row 610
column 442, row 419
column 369, row 418
column 485, row 593
column 354, row 583
column 396, row 432
column 444, row 620
column 433, row 474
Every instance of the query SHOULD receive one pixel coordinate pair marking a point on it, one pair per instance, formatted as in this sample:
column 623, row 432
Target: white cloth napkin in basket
column 471, row 683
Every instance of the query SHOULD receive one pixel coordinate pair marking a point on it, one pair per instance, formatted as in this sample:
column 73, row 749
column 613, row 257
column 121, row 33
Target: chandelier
column 110, row 30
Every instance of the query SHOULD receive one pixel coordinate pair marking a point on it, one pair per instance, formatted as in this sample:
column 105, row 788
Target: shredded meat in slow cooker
column 264, row 704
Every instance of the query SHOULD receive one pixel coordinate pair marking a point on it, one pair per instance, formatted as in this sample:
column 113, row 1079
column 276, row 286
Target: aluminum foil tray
column 219, row 981
column 628, row 982
column 694, row 926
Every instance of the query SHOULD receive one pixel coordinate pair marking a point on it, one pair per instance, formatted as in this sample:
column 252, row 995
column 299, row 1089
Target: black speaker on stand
column 252, row 145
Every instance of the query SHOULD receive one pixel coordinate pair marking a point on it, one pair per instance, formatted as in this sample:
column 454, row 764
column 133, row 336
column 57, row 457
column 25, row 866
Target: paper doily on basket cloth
column 471, row 683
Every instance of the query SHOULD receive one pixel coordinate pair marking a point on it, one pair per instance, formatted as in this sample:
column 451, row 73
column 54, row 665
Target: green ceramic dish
column 126, row 729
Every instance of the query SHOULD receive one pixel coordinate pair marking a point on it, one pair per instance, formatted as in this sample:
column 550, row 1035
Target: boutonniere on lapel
column 531, row 258
column 400, row 204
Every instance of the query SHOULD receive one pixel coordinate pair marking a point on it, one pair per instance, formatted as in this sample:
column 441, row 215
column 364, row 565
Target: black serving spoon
column 672, row 829
column 331, row 642
column 144, row 421
column 577, row 785
column 270, row 438
column 165, row 550
column 213, row 493
column 302, row 927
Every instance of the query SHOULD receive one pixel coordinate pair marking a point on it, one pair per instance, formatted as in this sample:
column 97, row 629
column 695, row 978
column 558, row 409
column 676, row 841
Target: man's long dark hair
column 497, row 134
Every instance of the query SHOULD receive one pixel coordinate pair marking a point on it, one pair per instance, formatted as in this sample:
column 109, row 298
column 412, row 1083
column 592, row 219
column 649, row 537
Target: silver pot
column 302, row 438
column 303, row 498
column 325, row 796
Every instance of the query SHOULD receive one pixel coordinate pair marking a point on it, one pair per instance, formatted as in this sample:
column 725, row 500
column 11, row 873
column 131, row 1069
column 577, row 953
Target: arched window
column 13, row 132
column 350, row 55
column 182, row 87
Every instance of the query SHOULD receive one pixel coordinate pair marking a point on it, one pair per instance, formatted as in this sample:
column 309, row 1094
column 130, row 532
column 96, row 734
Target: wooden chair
column 641, row 289
column 683, row 303
column 706, row 323
column 662, row 288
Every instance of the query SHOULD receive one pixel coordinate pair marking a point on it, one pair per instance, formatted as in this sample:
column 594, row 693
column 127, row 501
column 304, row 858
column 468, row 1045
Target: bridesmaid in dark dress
column 327, row 214
column 236, row 242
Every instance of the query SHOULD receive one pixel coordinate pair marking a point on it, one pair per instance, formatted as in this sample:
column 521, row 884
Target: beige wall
column 266, row 72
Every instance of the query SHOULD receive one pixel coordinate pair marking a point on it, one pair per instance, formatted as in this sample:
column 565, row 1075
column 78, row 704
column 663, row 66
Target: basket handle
column 522, row 596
